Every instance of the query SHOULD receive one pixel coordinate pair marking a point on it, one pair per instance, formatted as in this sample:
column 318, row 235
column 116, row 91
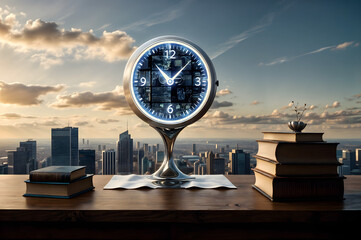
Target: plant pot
column 297, row 126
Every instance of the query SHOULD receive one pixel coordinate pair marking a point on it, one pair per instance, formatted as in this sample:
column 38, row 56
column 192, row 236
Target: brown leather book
column 57, row 174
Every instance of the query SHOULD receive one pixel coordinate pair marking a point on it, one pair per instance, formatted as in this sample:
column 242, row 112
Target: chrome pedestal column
column 168, row 175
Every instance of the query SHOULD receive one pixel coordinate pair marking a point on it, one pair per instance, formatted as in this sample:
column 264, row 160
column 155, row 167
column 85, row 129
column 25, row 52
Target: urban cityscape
column 145, row 156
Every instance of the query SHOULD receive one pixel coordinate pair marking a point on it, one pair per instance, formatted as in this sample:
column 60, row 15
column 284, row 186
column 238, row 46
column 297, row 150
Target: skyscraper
column 64, row 146
column 18, row 161
column 125, row 153
column 30, row 146
column 145, row 165
column 239, row 162
column 159, row 156
column 215, row 165
column 139, row 158
column 194, row 149
column 109, row 163
column 87, row 158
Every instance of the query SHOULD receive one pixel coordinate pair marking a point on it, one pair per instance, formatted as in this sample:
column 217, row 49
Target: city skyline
column 61, row 67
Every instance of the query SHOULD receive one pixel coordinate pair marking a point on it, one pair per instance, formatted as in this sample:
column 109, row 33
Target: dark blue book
column 59, row 189
column 57, row 174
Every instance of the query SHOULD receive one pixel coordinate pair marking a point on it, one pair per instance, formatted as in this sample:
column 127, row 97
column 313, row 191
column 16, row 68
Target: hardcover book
column 59, row 189
column 293, row 136
column 57, row 174
column 298, row 188
column 304, row 152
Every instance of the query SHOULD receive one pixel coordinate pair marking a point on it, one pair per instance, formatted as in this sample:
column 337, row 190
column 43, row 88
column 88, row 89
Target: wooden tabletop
column 243, row 204
column 175, row 213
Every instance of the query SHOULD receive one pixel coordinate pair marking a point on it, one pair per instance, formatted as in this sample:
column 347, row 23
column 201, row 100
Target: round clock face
column 171, row 81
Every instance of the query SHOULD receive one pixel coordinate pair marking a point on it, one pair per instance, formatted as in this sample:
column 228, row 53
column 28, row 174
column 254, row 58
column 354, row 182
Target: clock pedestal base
column 168, row 175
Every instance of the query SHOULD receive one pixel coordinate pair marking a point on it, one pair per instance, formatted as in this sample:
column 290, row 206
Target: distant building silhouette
column 109, row 163
column 140, row 162
column 145, row 165
column 87, row 158
column 18, row 161
column 215, row 165
column 239, row 162
column 30, row 147
column 125, row 153
column 194, row 149
column 3, row 165
column 64, row 146
column 159, row 157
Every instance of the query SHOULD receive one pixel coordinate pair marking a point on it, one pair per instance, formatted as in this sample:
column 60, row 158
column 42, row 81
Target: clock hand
column 176, row 75
column 163, row 74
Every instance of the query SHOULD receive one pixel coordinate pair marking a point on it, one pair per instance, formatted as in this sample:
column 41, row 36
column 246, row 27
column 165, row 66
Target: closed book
column 293, row 136
column 59, row 189
column 292, row 152
column 57, row 174
column 279, row 169
column 298, row 188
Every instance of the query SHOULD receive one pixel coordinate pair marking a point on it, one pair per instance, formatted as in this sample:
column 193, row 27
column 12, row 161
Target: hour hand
column 163, row 74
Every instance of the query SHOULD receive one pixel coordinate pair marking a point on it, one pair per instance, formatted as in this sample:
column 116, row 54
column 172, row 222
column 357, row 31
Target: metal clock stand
column 168, row 175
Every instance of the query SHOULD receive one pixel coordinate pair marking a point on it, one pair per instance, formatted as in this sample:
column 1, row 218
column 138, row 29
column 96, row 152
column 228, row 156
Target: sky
column 62, row 63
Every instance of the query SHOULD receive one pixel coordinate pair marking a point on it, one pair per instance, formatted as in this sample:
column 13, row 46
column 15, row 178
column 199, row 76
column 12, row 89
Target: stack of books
column 297, row 166
column 58, row 182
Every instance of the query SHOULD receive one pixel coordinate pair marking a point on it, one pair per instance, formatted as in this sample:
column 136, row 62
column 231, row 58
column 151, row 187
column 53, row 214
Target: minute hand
column 180, row 70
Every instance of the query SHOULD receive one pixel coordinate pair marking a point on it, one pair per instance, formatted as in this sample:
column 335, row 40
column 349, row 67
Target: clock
column 169, row 82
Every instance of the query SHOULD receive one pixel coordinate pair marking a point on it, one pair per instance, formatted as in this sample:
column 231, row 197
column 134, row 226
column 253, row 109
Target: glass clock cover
column 170, row 81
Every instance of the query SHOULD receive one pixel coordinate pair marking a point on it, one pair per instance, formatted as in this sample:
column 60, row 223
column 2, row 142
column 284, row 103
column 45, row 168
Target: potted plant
column 298, row 126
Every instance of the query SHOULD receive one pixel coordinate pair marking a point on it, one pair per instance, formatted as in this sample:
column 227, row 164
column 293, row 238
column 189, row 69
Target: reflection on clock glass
column 170, row 81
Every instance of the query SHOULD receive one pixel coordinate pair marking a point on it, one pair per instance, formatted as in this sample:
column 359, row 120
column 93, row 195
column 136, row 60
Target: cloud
column 233, row 41
column 20, row 94
column 327, row 48
column 335, row 104
column 106, row 121
column 48, row 42
column 113, row 100
column 254, row 103
column 87, row 84
column 354, row 97
column 216, row 104
column 14, row 116
column 223, row 92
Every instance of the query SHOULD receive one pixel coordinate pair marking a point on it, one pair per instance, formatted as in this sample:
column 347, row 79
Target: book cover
column 309, row 169
column 291, row 152
column 298, row 188
column 59, row 189
column 293, row 136
column 57, row 174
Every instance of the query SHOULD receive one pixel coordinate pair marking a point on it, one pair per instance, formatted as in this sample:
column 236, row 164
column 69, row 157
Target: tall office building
column 194, row 149
column 358, row 155
column 87, row 159
column 215, row 165
column 239, row 162
column 109, row 163
column 65, row 146
column 137, row 146
column 350, row 157
column 18, row 161
column 30, row 146
column 139, row 158
column 159, row 156
column 146, row 149
column 145, row 165
column 125, row 153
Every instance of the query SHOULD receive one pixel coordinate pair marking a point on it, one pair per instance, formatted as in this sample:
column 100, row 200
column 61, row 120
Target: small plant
column 299, row 110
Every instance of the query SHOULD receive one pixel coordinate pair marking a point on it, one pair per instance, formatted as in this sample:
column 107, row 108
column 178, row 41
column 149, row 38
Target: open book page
column 137, row 181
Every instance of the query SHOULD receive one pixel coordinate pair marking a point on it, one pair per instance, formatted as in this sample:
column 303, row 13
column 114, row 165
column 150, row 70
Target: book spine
column 49, row 177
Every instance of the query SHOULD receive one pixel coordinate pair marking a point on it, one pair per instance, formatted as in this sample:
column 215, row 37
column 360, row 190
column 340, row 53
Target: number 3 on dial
column 198, row 81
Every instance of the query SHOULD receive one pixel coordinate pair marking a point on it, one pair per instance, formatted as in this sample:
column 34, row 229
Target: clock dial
column 170, row 82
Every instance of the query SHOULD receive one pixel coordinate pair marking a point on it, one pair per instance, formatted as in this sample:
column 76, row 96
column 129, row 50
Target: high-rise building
column 215, row 165
column 87, row 159
column 145, row 165
column 159, row 156
column 239, row 162
column 146, row 149
column 350, row 157
column 64, row 146
column 194, row 149
column 125, row 153
column 140, row 163
column 18, row 161
column 137, row 146
column 109, row 163
column 30, row 146
column 358, row 155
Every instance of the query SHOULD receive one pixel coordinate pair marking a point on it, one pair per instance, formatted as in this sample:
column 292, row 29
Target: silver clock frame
column 168, row 175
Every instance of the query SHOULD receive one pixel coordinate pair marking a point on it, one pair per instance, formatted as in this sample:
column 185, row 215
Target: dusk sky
column 62, row 62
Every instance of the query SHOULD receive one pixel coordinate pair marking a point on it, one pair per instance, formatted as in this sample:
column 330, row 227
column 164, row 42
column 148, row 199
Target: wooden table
column 241, row 213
